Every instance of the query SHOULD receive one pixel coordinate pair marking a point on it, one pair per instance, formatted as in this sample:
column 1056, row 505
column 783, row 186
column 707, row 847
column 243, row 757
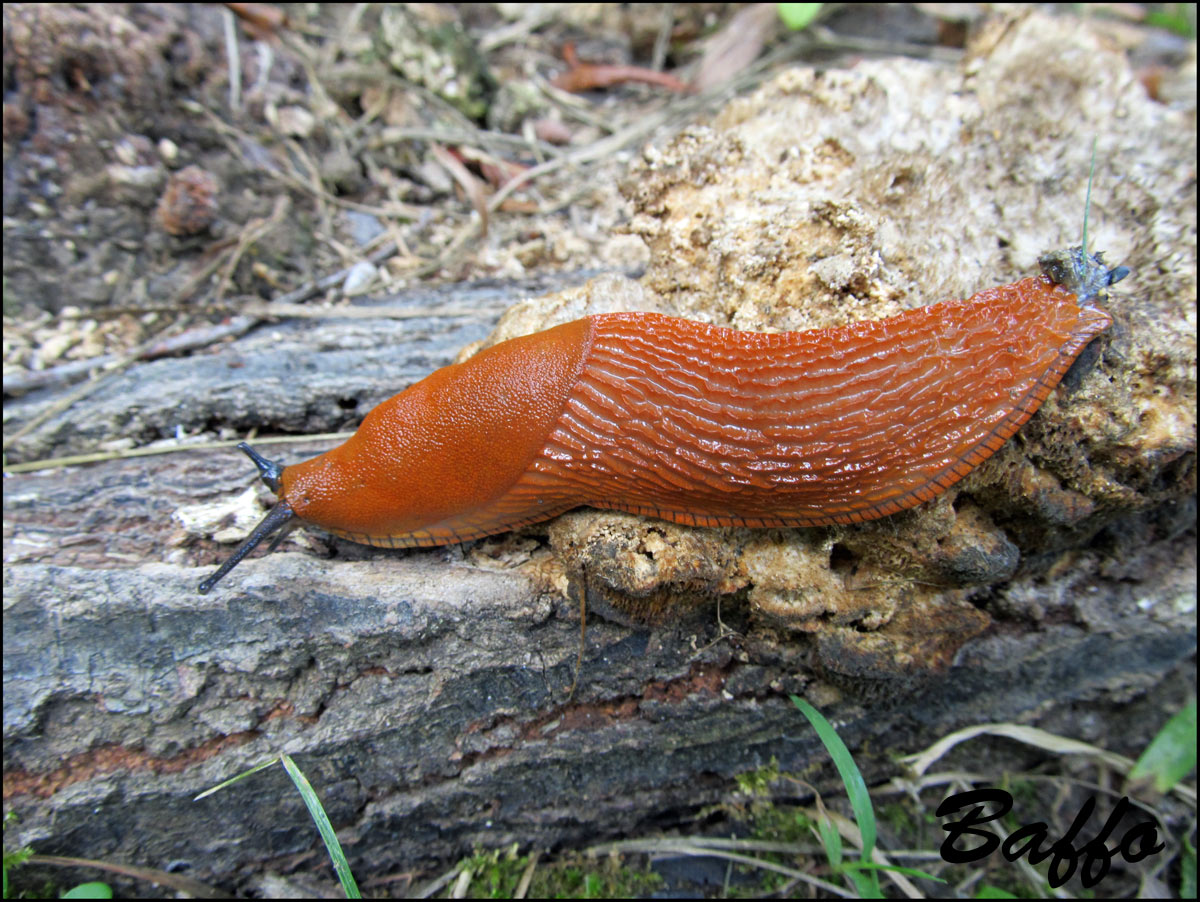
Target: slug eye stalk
column 269, row 471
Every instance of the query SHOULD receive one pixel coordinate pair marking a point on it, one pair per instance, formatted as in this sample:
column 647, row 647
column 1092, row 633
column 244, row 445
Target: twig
column 571, row 105
column 662, row 41
column 75, row 460
column 254, row 230
column 395, row 134
column 177, row 882
column 186, row 340
column 831, row 40
column 306, row 291
column 471, row 186
column 695, row 849
column 274, row 309
column 22, row 383
column 234, row 57
column 87, row 388
column 535, row 15
column 451, row 250
column 436, row 885
column 522, row 889
column 581, row 77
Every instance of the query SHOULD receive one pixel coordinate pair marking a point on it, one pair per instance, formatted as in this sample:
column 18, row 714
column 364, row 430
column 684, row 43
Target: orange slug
column 699, row 424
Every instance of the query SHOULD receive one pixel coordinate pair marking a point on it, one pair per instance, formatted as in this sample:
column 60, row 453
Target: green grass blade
column 340, row 865
column 856, row 787
column 831, row 840
column 92, row 890
column 1087, row 204
column 798, row 16
column 234, row 779
column 1171, row 754
column 896, row 868
column 1187, row 871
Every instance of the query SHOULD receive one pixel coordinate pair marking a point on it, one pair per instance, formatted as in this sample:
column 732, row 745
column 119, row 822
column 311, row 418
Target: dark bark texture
column 426, row 693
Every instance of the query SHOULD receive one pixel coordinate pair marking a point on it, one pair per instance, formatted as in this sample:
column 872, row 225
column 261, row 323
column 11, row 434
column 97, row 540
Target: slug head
column 433, row 464
column 281, row 518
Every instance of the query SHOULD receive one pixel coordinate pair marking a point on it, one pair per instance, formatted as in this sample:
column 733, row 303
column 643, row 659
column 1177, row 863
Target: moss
column 577, row 877
column 497, row 873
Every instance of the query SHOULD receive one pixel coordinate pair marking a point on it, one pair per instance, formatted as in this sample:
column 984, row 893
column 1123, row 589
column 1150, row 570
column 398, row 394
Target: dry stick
column 234, row 57
column 253, row 312
column 67, row 373
column 120, row 363
column 328, row 51
column 471, row 186
column 88, row 387
column 304, row 292
column 371, row 74
column 572, row 105
column 324, row 227
column 652, row 847
column 824, row 37
column 451, row 250
column 276, row 310
column 395, row 134
column 178, row 882
column 522, row 889
column 662, row 41
column 74, row 460
column 597, row 149
column 436, row 885
column 533, row 18
column 254, row 230
column 354, row 131
column 253, row 233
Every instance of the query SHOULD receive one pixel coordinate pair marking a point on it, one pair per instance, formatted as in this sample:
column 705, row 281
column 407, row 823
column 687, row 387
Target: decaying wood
column 425, row 692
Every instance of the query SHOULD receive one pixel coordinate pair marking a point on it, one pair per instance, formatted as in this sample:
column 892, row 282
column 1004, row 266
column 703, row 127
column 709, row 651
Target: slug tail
column 1086, row 276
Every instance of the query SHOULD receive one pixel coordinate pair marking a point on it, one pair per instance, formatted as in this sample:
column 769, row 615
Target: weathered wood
column 427, row 700
column 425, row 692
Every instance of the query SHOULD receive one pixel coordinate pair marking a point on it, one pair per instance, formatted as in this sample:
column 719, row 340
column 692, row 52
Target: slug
column 699, row 424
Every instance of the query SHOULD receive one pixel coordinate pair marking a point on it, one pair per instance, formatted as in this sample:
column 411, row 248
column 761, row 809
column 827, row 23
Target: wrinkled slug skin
column 700, row 424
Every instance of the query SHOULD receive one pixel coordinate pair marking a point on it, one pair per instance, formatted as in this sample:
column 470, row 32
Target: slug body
column 699, row 424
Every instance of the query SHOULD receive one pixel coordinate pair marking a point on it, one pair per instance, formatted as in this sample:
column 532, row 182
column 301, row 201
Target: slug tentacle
column 280, row 517
column 269, row 471
column 699, row 424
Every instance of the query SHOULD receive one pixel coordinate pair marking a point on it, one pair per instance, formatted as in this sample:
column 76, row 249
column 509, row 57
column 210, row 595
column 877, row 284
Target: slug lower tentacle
column 700, row 424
